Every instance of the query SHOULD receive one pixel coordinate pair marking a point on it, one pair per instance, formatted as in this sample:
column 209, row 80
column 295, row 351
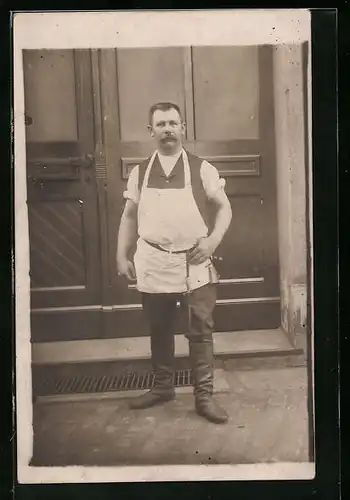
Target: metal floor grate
column 92, row 384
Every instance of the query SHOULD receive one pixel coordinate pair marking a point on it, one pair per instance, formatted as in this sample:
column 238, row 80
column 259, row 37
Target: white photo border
column 62, row 30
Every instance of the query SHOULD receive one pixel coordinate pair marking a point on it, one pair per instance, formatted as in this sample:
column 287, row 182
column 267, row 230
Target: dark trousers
column 160, row 311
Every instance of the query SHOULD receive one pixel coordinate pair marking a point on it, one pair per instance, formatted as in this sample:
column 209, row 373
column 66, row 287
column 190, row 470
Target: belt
column 162, row 249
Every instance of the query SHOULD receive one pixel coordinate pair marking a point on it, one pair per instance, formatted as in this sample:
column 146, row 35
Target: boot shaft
column 202, row 363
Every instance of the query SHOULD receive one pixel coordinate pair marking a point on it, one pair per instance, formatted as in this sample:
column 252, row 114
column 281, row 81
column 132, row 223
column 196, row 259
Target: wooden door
column 61, row 195
column 226, row 97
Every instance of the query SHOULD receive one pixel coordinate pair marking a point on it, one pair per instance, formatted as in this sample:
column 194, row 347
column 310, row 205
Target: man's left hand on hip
column 203, row 251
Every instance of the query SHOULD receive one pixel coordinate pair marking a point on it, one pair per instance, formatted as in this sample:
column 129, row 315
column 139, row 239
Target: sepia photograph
column 163, row 245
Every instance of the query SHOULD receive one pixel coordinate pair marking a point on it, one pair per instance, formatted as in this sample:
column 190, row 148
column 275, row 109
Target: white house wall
column 291, row 188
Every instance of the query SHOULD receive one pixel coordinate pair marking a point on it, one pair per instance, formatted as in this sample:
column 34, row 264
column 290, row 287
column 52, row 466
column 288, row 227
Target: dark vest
column 203, row 203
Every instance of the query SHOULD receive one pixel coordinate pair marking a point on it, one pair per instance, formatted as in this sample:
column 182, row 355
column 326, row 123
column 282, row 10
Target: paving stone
column 268, row 422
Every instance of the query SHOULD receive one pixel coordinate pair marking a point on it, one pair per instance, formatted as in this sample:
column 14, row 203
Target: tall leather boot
column 202, row 359
column 162, row 352
column 163, row 367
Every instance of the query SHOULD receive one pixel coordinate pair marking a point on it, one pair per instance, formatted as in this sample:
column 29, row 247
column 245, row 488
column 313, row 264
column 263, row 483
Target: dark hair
column 162, row 106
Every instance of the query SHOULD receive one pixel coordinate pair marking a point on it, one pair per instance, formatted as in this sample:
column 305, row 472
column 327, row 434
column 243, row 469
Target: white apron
column 170, row 218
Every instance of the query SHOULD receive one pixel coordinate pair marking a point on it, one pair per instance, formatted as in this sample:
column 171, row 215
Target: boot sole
column 212, row 420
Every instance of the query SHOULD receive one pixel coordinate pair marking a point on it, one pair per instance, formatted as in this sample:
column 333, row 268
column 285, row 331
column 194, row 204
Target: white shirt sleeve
column 212, row 182
column 132, row 188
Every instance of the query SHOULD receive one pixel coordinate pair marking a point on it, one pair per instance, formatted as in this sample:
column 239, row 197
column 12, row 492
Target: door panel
column 219, row 72
column 57, row 255
column 50, row 96
column 146, row 76
column 61, row 190
column 242, row 261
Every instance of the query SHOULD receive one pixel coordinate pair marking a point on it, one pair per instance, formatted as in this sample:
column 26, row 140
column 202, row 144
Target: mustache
column 168, row 136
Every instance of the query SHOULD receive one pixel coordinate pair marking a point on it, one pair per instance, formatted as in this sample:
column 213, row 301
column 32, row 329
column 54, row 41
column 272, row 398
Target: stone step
column 227, row 345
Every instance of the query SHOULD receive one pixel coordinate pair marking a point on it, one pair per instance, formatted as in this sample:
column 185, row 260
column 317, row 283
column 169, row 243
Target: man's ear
column 150, row 130
column 183, row 127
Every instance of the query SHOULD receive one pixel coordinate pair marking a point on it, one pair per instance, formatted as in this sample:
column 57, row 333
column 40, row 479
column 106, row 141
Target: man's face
column 167, row 129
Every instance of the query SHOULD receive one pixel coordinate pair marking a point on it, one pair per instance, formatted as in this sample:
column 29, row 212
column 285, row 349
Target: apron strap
column 142, row 171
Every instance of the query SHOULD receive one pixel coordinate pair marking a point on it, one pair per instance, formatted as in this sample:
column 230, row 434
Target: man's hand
column 204, row 249
column 126, row 269
column 207, row 246
column 126, row 239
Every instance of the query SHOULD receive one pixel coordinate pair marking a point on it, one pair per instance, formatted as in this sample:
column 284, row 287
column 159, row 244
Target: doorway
column 87, row 114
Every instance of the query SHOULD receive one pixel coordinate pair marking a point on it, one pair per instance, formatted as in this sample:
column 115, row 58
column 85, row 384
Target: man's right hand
column 126, row 269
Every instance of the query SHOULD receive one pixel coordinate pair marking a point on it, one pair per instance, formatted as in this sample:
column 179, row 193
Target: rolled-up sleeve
column 132, row 188
column 212, row 182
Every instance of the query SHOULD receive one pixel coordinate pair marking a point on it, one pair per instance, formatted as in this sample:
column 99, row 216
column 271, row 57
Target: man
column 166, row 210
